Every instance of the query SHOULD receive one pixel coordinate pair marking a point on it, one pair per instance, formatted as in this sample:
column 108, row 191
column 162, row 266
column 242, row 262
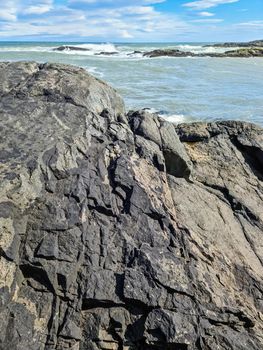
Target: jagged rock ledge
column 123, row 231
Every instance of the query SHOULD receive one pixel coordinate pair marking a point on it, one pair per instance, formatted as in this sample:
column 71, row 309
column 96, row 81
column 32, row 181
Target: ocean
column 180, row 89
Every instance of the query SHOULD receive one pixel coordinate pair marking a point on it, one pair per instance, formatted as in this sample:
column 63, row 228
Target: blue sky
column 131, row 20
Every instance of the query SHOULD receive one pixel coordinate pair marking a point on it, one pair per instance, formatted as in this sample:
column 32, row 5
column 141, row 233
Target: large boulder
column 124, row 231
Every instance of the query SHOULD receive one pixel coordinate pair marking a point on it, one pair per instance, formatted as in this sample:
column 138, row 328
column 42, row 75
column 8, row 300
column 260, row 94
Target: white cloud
column 206, row 14
column 37, row 10
column 31, row 8
column 208, row 20
column 118, row 2
column 251, row 25
column 114, row 20
column 138, row 10
column 141, row 22
column 8, row 11
column 206, row 4
column 126, row 35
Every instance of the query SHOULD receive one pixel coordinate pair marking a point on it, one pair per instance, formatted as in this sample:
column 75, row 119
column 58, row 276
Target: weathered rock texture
column 123, row 231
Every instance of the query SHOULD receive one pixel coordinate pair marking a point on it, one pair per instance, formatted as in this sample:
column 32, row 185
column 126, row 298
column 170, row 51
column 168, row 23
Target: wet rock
column 124, row 231
column 70, row 48
column 244, row 52
column 106, row 53
column 248, row 52
column 168, row 53
column 136, row 52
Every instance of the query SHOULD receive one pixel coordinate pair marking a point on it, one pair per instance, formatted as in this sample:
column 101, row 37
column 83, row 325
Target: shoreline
column 195, row 88
column 246, row 49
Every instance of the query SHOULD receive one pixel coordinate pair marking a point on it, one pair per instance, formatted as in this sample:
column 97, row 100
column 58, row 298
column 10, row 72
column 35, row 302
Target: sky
column 131, row 20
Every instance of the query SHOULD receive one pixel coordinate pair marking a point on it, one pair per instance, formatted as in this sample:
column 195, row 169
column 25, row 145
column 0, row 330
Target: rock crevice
column 123, row 231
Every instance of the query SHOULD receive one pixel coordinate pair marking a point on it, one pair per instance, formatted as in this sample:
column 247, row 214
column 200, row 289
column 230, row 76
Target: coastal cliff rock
column 124, row 231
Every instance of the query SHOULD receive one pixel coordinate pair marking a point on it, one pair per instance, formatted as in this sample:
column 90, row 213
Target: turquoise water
column 181, row 89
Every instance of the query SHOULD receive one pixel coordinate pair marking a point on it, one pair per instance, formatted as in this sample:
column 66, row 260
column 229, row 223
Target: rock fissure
column 125, row 231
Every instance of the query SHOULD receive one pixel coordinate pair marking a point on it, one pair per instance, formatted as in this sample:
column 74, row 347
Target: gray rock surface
column 124, row 231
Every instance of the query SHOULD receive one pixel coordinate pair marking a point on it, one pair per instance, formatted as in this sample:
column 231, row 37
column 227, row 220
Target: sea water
column 180, row 89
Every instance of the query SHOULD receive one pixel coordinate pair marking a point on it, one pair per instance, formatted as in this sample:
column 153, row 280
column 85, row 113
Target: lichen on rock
column 124, row 231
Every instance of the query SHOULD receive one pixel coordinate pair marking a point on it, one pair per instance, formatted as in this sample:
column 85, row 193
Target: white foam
column 24, row 49
column 108, row 47
column 201, row 49
column 174, row 118
column 92, row 49
column 97, row 50
column 153, row 111
column 189, row 47
column 94, row 70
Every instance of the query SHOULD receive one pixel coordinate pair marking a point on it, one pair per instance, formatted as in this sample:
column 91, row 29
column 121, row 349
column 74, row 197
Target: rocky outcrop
column 70, row 48
column 77, row 48
column 106, row 53
column 254, row 43
column 244, row 52
column 248, row 52
column 124, row 231
column 168, row 53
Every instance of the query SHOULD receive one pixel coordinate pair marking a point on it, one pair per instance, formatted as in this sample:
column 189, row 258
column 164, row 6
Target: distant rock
column 124, row 231
column 255, row 43
column 70, row 48
column 134, row 53
column 106, row 53
column 168, row 53
column 248, row 52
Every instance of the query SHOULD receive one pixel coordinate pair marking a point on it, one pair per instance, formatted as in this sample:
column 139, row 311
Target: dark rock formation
column 168, row 53
column 248, row 52
column 124, row 231
column 76, row 48
column 136, row 52
column 106, row 53
column 70, row 48
column 254, row 43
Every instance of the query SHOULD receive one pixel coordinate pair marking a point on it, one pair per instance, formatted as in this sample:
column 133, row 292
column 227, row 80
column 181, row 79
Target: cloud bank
column 117, row 20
